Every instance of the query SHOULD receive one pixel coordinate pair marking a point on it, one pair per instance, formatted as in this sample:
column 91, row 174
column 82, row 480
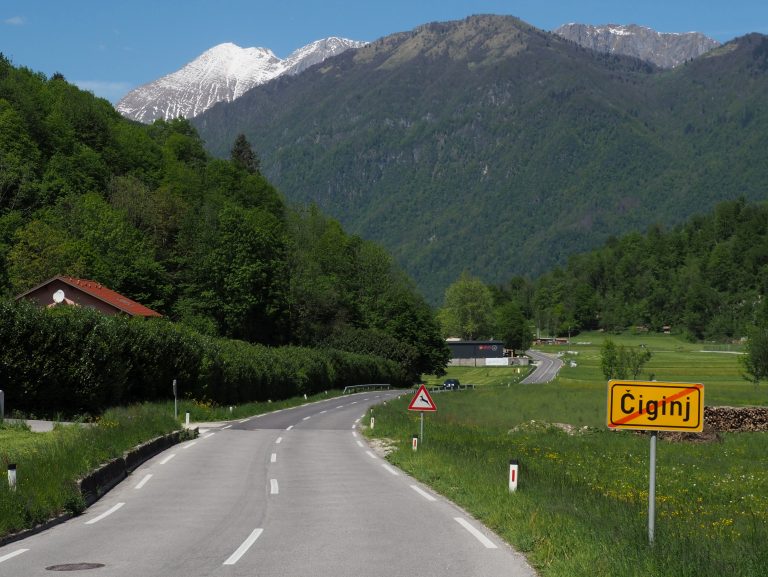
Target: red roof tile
column 99, row 291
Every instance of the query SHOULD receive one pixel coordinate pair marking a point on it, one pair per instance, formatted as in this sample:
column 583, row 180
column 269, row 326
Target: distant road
column 547, row 369
column 294, row 493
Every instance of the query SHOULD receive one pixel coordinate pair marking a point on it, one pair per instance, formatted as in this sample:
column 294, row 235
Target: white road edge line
column 371, row 455
column 289, row 428
column 273, row 458
column 227, row 427
column 12, row 555
column 209, row 435
column 359, row 444
column 242, row 549
column 475, row 533
column 354, row 435
column 273, row 488
column 423, row 493
column 390, row 469
column 104, row 514
column 168, row 458
column 143, row 482
column 307, row 418
column 188, row 445
column 323, row 412
column 244, row 421
column 279, row 440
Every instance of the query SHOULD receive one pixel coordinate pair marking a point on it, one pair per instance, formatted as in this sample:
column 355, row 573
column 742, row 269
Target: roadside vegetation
column 49, row 464
column 582, row 503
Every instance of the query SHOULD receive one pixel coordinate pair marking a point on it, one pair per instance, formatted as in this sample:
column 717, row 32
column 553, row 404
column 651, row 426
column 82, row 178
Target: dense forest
column 705, row 279
column 207, row 242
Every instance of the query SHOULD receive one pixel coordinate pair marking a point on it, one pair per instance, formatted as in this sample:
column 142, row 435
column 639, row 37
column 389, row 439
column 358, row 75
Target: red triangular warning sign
column 422, row 401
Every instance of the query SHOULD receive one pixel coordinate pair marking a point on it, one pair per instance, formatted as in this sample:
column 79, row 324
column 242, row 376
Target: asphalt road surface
column 293, row 493
column 546, row 369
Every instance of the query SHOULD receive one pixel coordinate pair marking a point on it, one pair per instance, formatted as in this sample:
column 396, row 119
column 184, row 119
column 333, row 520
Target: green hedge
column 75, row 361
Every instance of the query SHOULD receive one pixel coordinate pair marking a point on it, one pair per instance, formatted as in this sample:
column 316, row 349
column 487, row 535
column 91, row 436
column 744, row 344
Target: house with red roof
column 64, row 290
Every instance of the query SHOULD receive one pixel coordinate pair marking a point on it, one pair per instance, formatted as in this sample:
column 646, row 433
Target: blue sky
column 110, row 47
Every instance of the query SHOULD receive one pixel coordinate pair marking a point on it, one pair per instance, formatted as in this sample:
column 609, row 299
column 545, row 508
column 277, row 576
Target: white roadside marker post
column 514, row 475
column 372, row 421
column 175, row 401
column 415, row 442
column 12, row 477
column 186, row 420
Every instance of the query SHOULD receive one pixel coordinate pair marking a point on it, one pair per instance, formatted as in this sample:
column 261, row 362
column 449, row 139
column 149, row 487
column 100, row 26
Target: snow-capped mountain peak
column 222, row 73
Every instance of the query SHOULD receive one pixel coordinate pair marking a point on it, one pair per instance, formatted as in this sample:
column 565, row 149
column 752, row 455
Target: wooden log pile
column 733, row 419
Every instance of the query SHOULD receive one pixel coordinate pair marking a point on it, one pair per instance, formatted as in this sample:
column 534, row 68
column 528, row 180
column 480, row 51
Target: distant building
column 66, row 290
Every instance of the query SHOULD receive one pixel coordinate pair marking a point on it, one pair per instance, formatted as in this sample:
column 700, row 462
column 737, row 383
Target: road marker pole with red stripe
column 514, row 475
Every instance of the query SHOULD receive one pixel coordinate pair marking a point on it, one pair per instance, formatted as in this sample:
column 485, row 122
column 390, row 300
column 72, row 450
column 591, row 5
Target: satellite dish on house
column 58, row 296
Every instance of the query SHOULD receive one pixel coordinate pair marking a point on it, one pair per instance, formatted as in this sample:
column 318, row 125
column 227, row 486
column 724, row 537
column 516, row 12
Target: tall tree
column 243, row 155
column 468, row 309
column 512, row 326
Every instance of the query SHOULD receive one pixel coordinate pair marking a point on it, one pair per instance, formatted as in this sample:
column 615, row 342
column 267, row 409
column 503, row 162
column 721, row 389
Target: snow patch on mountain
column 222, row 73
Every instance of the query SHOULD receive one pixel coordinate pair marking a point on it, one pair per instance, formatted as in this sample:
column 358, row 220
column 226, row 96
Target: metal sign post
column 652, row 490
column 422, row 402
column 655, row 406
column 2, row 406
column 175, row 401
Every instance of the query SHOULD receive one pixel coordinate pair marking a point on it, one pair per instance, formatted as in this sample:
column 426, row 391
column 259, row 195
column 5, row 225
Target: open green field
column 582, row 504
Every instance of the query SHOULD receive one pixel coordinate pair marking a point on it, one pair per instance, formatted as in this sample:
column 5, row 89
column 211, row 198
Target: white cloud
column 15, row 21
column 112, row 91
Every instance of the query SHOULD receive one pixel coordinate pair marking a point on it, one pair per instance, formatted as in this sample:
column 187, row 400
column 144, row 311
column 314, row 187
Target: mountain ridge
column 221, row 73
column 456, row 154
column 664, row 49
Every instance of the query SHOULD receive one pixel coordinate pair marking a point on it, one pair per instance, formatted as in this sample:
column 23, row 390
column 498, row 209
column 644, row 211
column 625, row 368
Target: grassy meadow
column 581, row 508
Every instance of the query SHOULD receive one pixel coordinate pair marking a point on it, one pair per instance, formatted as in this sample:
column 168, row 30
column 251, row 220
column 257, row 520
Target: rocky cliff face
column 223, row 73
column 665, row 50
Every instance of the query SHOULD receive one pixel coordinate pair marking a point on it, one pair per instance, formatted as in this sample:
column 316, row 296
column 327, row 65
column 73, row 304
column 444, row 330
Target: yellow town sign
column 655, row 406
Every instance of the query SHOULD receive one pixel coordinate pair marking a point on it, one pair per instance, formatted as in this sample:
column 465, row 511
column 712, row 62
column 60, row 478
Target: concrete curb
column 100, row 481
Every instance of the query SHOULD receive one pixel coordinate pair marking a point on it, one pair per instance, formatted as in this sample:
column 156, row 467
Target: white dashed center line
column 289, row 428
column 209, row 435
column 105, row 514
column 371, row 455
column 168, row 458
column 12, row 555
column 279, row 440
column 359, row 444
column 273, row 488
column 227, row 427
column 242, row 549
column 273, row 458
column 306, row 418
column 143, row 482
column 188, row 445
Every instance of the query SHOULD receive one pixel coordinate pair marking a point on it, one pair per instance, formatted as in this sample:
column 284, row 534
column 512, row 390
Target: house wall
column 44, row 297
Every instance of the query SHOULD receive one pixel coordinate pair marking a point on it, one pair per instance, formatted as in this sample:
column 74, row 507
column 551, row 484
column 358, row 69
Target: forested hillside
column 491, row 146
column 207, row 242
column 705, row 279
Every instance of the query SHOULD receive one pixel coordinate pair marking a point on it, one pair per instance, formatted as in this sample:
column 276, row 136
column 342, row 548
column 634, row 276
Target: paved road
column 293, row 493
column 547, row 369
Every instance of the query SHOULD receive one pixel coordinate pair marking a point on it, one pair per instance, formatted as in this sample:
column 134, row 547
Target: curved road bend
column 293, row 493
column 546, row 370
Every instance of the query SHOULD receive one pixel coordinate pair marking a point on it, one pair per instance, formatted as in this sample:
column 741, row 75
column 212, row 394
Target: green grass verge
column 48, row 464
column 581, row 508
